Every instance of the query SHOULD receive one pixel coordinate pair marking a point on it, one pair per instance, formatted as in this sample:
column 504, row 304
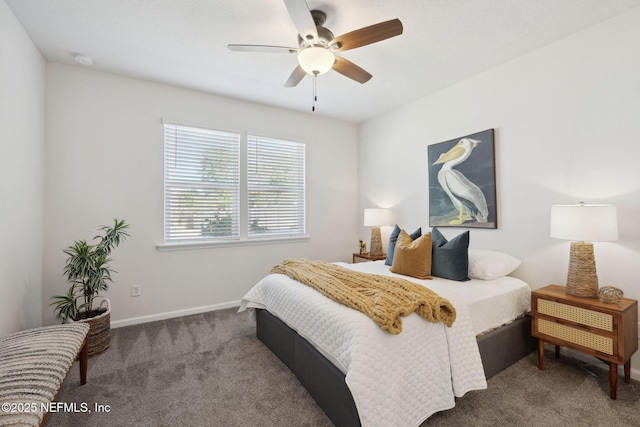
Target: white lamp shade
column 376, row 217
column 316, row 60
column 588, row 223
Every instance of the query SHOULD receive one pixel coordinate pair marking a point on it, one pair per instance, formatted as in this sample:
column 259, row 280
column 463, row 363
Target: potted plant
column 87, row 269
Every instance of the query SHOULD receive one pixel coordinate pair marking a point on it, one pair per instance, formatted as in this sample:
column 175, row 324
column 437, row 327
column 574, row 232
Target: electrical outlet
column 135, row 290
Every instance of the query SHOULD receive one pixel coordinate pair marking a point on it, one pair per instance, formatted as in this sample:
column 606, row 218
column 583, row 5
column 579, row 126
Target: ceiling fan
column 317, row 47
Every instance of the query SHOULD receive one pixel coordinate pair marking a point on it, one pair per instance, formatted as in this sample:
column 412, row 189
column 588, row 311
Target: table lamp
column 376, row 218
column 583, row 224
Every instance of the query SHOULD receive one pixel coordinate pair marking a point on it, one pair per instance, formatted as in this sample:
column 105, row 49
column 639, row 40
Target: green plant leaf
column 65, row 305
column 87, row 269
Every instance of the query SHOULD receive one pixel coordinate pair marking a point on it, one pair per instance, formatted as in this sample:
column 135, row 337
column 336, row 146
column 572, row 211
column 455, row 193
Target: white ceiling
column 184, row 43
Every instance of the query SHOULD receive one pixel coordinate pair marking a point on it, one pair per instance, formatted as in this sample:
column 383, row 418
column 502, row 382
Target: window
column 275, row 187
column 209, row 197
column 201, row 184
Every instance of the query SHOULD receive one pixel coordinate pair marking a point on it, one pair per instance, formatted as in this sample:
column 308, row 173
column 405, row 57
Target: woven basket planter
column 99, row 329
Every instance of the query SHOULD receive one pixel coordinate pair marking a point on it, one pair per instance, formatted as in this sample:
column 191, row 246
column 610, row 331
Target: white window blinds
column 275, row 187
column 202, row 184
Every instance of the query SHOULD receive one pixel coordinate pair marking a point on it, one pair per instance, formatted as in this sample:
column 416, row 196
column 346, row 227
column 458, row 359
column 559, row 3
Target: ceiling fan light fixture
column 316, row 59
column 317, row 44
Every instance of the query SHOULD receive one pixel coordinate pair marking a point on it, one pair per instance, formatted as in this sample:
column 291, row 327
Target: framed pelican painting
column 462, row 182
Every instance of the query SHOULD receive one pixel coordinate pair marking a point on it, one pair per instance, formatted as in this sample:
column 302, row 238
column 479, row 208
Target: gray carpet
column 211, row 370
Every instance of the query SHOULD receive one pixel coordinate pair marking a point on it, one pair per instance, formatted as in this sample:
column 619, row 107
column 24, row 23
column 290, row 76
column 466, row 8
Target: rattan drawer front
column 583, row 316
column 576, row 336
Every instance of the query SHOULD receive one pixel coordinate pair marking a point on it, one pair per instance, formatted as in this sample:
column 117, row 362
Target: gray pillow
column 450, row 259
column 393, row 238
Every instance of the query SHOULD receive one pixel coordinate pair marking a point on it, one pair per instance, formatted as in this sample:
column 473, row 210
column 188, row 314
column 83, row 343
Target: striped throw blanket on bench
column 33, row 365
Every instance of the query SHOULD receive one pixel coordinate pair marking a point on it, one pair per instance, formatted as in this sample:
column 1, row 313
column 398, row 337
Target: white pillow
column 488, row 265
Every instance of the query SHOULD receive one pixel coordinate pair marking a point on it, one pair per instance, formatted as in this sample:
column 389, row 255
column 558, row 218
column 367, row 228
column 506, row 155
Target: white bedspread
column 491, row 303
column 395, row 380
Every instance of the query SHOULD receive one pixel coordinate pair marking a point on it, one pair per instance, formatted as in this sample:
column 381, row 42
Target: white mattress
column 397, row 380
column 491, row 303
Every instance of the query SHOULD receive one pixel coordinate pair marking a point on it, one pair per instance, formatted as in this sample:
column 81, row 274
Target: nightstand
column 367, row 257
column 607, row 331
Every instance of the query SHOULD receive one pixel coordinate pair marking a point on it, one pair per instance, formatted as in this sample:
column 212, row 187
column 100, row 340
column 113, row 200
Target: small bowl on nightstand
column 610, row 294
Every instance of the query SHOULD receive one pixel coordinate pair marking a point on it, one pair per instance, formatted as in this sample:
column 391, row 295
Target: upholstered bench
column 33, row 365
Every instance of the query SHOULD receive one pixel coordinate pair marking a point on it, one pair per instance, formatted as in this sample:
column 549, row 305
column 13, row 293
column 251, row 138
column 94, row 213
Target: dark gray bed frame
column 499, row 349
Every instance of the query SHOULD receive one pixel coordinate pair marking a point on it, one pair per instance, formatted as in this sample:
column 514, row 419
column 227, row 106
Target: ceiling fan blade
column 295, row 77
column 351, row 70
column 261, row 48
column 367, row 35
column 302, row 19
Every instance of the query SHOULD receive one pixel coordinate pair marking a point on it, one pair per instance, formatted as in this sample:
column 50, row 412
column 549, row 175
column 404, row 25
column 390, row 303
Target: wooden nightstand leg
column 540, row 354
column 627, row 372
column 557, row 352
column 613, row 380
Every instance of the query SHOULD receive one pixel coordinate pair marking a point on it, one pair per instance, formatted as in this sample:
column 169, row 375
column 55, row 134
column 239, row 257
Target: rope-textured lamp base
column 582, row 280
column 376, row 242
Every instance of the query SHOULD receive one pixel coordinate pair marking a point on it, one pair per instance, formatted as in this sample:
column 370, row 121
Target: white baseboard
column 582, row 357
column 172, row 314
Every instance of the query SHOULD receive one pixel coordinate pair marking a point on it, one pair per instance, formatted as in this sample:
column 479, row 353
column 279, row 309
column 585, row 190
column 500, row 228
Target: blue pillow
column 393, row 238
column 450, row 259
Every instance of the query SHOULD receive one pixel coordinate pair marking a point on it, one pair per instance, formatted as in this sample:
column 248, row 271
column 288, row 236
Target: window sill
column 183, row 246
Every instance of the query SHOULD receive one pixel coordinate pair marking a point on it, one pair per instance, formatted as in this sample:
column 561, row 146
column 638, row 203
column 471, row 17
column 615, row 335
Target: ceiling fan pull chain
column 315, row 93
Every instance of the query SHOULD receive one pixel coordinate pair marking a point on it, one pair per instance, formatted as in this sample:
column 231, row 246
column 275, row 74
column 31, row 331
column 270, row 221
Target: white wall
column 567, row 130
column 22, row 71
column 104, row 157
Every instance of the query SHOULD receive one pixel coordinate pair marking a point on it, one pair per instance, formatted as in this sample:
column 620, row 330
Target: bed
column 361, row 375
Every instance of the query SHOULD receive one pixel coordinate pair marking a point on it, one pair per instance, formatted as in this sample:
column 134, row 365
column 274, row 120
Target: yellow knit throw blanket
column 384, row 299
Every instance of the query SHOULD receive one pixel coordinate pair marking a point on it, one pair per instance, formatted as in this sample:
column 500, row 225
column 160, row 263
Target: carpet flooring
column 211, row 370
